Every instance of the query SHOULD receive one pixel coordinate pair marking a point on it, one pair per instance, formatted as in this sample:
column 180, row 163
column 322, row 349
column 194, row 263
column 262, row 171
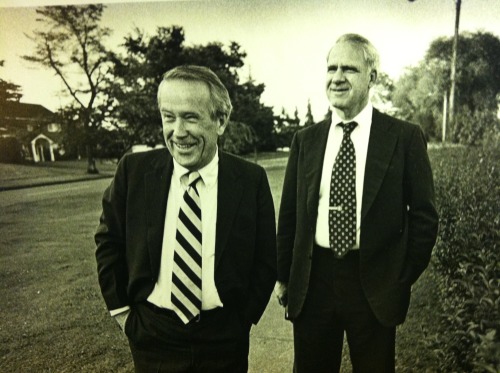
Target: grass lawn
column 53, row 318
column 16, row 175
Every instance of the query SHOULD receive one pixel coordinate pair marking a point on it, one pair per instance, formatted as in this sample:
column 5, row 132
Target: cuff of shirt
column 119, row 310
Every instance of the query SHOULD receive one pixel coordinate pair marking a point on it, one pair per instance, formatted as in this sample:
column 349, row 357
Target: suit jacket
column 398, row 218
column 130, row 234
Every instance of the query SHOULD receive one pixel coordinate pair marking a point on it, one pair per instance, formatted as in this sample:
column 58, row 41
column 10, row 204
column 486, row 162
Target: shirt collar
column 208, row 173
column 364, row 117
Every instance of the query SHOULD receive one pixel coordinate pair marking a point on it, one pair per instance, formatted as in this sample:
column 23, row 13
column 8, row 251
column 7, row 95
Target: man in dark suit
column 357, row 222
column 186, row 245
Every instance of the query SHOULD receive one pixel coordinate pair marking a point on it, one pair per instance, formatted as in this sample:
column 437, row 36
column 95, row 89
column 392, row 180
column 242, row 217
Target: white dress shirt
column 359, row 136
column 207, row 188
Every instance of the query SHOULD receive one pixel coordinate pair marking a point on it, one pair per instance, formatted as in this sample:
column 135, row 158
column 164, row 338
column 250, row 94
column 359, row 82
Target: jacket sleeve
column 263, row 273
column 422, row 214
column 110, row 241
column 288, row 214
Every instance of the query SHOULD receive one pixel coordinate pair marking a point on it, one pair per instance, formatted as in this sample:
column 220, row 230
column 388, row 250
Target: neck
column 347, row 114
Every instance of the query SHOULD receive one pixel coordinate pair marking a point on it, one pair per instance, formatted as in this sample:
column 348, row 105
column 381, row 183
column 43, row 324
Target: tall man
column 186, row 245
column 357, row 222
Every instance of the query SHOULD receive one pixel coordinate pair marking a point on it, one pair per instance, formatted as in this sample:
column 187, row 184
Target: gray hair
column 221, row 103
column 370, row 53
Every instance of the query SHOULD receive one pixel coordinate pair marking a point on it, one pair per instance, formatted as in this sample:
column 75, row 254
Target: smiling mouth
column 339, row 90
column 184, row 146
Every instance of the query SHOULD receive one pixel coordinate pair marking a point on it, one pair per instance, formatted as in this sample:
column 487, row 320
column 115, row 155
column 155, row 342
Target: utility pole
column 449, row 117
column 445, row 117
column 451, row 108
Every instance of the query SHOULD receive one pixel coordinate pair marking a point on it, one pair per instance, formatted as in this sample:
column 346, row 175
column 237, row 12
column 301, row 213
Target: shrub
column 472, row 126
column 10, row 150
column 238, row 138
column 467, row 258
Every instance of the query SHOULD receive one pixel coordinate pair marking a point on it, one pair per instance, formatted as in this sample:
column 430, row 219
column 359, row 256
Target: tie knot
column 348, row 127
column 193, row 178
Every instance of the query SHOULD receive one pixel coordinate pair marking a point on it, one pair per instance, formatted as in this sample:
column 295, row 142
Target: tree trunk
column 91, row 167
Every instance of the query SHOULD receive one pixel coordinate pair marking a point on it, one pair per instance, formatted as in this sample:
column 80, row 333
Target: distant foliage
column 139, row 72
column 420, row 92
column 468, row 257
column 10, row 150
column 285, row 127
column 8, row 90
column 382, row 94
column 309, row 116
column 70, row 43
column 238, row 138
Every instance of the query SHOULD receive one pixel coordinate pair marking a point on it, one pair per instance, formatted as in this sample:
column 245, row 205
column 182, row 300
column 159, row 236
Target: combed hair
column 370, row 53
column 219, row 96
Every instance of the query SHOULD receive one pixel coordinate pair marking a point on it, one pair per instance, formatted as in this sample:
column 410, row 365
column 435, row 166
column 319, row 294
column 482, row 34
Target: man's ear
column 373, row 78
column 223, row 122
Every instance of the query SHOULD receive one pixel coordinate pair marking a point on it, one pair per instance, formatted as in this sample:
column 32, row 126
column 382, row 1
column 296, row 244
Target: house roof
column 13, row 110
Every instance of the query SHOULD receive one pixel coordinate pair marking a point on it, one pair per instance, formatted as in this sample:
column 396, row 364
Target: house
column 34, row 127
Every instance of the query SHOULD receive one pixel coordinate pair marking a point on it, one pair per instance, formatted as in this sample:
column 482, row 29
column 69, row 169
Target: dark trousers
column 335, row 304
column 161, row 342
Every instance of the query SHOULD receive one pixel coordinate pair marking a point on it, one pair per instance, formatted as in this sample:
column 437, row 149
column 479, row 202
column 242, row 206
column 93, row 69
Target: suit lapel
column 157, row 184
column 314, row 146
column 229, row 192
column 381, row 145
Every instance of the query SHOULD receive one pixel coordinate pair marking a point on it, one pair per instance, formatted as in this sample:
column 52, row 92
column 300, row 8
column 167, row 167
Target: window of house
column 53, row 127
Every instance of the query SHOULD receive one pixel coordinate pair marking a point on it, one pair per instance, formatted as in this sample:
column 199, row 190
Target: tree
column 419, row 93
column 309, row 116
column 249, row 109
column 71, row 44
column 147, row 58
column 383, row 91
column 10, row 147
column 138, row 75
column 9, row 91
column 284, row 128
column 477, row 80
column 418, row 97
column 238, row 138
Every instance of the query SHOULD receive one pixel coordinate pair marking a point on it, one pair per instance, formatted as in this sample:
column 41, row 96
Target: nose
column 338, row 75
column 179, row 128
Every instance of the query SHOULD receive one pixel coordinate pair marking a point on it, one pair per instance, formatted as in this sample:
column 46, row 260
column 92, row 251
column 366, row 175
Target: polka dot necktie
column 186, row 275
column 342, row 210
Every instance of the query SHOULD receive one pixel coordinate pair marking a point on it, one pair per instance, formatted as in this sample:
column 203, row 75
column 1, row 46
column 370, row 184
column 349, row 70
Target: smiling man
column 357, row 222
column 186, row 245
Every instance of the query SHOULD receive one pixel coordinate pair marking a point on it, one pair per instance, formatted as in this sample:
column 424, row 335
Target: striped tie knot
column 193, row 178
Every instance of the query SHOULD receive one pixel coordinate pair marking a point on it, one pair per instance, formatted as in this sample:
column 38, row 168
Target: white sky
column 286, row 41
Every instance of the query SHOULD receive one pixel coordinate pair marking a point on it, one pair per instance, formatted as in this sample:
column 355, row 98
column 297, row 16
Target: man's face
column 188, row 128
column 348, row 80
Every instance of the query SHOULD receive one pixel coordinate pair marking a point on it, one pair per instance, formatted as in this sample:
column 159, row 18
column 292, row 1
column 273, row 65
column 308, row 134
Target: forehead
column 346, row 54
column 182, row 93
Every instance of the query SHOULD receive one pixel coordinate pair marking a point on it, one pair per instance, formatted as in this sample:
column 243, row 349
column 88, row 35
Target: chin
column 338, row 105
column 337, row 101
column 189, row 163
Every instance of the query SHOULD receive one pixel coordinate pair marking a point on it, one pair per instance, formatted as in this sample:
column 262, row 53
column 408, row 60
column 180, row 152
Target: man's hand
column 281, row 291
column 121, row 319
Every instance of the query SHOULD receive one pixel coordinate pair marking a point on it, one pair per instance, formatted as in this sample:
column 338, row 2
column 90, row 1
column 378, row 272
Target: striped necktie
column 186, row 275
column 342, row 211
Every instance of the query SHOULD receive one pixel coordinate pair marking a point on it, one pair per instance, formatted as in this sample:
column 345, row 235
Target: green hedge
column 467, row 258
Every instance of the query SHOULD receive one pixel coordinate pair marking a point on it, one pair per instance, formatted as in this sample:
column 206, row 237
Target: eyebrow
column 343, row 67
column 181, row 113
